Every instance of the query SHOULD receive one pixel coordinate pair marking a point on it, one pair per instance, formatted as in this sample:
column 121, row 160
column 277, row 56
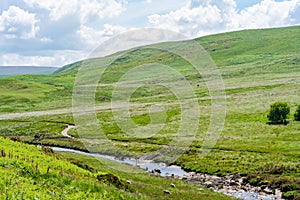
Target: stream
column 231, row 185
column 147, row 165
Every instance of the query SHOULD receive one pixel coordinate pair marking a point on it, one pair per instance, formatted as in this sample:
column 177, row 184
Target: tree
column 278, row 113
column 297, row 114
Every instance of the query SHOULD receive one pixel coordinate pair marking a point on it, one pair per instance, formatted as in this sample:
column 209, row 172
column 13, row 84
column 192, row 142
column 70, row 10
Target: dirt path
column 8, row 116
column 66, row 130
column 120, row 106
column 34, row 114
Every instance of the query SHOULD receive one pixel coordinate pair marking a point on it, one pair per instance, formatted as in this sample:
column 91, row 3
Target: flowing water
column 172, row 170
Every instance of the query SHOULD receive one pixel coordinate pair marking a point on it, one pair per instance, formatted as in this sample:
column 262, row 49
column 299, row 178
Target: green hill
column 258, row 67
column 237, row 54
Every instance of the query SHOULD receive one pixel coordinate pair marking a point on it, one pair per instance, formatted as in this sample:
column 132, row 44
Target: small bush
column 47, row 150
column 288, row 187
column 113, row 180
column 297, row 114
column 278, row 113
column 253, row 179
column 82, row 165
column 293, row 195
column 15, row 139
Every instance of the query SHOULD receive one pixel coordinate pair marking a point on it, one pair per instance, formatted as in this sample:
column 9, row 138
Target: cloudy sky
column 58, row 32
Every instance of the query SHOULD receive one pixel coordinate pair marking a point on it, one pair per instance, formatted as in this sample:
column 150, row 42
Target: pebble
column 232, row 185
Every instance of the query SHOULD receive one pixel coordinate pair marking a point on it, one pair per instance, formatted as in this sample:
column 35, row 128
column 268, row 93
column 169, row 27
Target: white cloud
column 64, row 24
column 84, row 24
column 85, row 9
column 46, row 40
column 295, row 14
column 93, row 37
column 202, row 17
column 57, row 9
column 196, row 16
column 18, row 23
column 57, row 58
column 99, row 9
column 268, row 13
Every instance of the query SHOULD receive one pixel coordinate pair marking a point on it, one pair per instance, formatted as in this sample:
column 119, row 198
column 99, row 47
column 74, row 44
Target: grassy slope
column 41, row 175
column 239, row 55
column 35, row 92
column 258, row 67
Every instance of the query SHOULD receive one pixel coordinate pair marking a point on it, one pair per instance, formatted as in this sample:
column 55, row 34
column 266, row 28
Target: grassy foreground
column 28, row 172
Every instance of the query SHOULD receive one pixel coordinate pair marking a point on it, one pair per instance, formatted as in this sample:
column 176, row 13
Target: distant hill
column 19, row 70
column 235, row 48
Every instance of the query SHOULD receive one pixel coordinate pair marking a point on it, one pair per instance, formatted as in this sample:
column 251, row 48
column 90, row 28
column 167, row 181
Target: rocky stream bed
column 232, row 185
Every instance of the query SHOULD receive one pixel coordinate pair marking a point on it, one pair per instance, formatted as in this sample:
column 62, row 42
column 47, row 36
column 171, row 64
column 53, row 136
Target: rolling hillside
column 239, row 54
column 258, row 67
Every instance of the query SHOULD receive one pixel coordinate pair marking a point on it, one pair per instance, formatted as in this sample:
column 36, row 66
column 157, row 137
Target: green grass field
column 258, row 67
column 28, row 172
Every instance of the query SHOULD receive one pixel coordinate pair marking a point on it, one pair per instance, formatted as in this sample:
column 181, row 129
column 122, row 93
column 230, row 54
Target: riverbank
column 231, row 185
column 28, row 172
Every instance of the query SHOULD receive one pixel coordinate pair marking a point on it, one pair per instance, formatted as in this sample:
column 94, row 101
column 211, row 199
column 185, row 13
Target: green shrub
column 297, row 114
column 113, row 180
column 278, row 113
column 294, row 195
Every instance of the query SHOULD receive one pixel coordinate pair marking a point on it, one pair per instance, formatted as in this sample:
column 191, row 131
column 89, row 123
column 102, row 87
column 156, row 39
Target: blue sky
column 58, row 32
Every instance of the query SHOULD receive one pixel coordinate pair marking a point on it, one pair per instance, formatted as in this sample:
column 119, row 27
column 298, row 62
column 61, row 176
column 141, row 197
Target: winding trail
column 74, row 110
column 91, row 109
column 66, row 130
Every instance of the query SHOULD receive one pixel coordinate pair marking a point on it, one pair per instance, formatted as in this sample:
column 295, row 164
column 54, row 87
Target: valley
column 258, row 68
